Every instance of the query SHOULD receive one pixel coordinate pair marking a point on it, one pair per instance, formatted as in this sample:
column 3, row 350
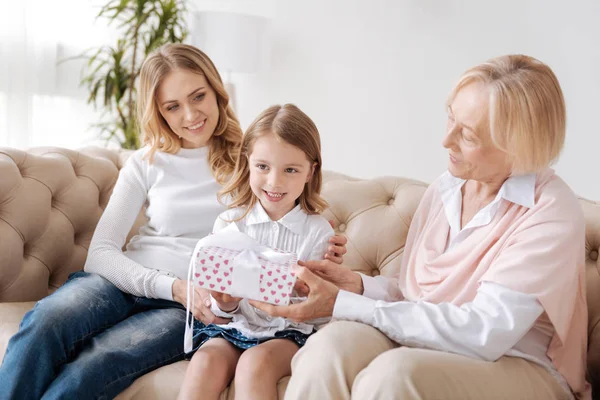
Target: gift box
column 234, row 263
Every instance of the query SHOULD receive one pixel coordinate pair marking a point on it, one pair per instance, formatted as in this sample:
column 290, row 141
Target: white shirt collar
column 294, row 220
column 518, row 189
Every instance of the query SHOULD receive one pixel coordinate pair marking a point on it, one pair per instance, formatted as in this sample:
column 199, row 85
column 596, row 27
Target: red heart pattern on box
column 213, row 270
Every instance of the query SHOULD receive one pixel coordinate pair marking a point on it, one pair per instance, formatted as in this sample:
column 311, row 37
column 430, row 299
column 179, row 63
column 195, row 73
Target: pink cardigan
column 538, row 251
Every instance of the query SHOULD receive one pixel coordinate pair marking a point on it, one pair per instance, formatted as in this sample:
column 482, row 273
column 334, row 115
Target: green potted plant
column 111, row 72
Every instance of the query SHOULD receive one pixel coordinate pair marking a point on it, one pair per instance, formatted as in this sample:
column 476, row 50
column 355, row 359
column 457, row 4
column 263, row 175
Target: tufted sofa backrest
column 591, row 210
column 51, row 200
column 374, row 215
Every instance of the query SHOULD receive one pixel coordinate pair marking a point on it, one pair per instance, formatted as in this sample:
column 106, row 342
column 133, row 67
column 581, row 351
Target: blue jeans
column 90, row 340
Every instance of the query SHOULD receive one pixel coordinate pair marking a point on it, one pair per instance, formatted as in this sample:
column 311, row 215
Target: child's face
column 189, row 105
column 278, row 174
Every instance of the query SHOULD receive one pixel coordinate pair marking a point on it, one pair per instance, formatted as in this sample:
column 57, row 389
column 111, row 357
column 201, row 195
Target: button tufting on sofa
column 390, row 201
column 49, row 207
column 342, row 228
column 594, row 255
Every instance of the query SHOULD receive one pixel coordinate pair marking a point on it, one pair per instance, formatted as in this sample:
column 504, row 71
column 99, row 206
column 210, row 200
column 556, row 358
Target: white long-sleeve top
column 181, row 197
column 498, row 322
column 297, row 232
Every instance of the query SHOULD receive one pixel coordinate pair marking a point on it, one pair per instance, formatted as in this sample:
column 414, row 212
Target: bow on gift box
column 232, row 262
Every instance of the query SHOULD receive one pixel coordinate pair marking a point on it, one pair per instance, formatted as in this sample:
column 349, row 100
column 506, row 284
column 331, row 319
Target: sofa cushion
column 164, row 383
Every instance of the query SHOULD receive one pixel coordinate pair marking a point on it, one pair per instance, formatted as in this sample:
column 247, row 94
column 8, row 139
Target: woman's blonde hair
column 289, row 124
column 527, row 115
column 225, row 142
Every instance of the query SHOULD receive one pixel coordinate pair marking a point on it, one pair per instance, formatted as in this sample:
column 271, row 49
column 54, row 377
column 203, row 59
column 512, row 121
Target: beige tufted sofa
column 51, row 200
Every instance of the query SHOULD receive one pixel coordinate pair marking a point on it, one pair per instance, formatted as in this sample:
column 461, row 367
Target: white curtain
column 41, row 102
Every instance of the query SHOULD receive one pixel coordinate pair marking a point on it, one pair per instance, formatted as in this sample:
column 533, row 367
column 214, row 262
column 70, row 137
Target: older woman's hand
column 342, row 277
column 320, row 301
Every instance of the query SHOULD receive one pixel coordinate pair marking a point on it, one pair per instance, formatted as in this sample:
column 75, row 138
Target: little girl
column 275, row 199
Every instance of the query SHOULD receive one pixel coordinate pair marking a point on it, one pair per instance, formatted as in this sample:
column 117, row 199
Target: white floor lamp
column 235, row 42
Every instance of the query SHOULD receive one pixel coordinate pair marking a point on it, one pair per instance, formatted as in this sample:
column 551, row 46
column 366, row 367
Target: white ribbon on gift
column 245, row 275
column 232, row 239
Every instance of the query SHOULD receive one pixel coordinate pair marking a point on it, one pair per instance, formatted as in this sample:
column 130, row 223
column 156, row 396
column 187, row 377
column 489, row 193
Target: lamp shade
column 235, row 42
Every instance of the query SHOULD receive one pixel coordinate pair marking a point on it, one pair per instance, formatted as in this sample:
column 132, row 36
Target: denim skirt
column 202, row 333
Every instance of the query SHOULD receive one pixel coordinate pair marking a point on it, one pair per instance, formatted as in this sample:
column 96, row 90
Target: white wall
column 374, row 74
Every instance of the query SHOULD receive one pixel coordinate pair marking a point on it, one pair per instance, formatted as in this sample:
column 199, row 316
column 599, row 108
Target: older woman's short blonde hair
column 224, row 145
column 527, row 116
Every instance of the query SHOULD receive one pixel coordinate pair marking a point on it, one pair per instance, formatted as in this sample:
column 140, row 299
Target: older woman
column 490, row 301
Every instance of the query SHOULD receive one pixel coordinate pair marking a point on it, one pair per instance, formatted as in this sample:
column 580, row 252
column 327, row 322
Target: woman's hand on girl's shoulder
column 337, row 249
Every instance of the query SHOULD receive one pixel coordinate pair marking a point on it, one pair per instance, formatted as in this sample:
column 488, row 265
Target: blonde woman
column 125, row 315
column 490, row 302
